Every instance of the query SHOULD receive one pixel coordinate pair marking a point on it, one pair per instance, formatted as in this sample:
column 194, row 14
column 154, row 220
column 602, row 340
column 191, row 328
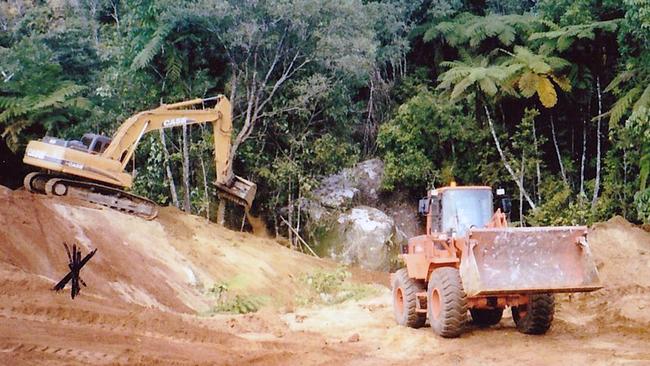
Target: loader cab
column 462, row 208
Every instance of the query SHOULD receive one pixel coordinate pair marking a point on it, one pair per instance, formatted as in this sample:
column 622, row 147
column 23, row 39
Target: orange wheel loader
column 470, row 263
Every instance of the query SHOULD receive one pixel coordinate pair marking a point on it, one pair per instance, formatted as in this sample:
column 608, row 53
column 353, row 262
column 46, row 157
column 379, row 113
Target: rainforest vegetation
column 549, row 99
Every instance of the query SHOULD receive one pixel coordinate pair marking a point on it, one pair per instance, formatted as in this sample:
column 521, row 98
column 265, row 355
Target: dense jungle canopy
column 548, row 99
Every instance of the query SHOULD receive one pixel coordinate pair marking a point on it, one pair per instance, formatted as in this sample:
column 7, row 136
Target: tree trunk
column 221, row 212
column 582, row 160
column 206, row 191
column 368, row 131
column 539, row 174
column 187, row 207
column 505, row 161
column 625, row 181
column 290, row 215
column 557, row 152
column 206, row 197
column 594, row 198
column 170, row 177
column 521, row 183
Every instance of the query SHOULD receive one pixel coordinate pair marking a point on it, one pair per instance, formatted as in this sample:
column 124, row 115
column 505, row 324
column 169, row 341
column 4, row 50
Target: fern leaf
column 546, row 92
column 460, row 88
column 620, row 78
column 644, row 99
column 152, row 48
column 507, row 36
column 622, row 105
column 488, row 86
column 644, row 171
column 528, row 84
column 58, row 96
column 8, row 102
column 562, row 81
column 564, row 42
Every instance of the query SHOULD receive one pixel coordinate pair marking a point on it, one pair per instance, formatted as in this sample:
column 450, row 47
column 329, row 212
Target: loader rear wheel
column 536, row 316
column 405, row 300
column 447, row 302
column 486, row 317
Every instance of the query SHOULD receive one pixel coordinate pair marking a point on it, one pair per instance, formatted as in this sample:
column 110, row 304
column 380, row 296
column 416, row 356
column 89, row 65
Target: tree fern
column 153, row 47
column 474, row 30
column 561, row 39
column 535, row 74
column 66, row 91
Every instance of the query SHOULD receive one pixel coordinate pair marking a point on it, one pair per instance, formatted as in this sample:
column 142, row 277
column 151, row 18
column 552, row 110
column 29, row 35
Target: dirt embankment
column 148, row 300
column 168, row 263
column 146, row 284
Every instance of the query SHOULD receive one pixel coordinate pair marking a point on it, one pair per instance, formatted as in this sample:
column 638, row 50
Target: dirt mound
column 622, row 254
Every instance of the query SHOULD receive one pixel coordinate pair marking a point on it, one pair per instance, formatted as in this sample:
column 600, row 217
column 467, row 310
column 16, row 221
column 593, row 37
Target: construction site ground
column 151, row 295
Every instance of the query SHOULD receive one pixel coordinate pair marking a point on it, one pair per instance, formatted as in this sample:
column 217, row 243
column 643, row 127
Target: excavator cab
column 90, row 143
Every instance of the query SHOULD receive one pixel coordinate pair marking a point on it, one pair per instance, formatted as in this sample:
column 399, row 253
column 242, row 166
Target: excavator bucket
column 241, row 191
column 502, row 261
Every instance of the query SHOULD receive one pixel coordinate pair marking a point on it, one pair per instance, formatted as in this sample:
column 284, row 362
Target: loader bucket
column 240, row 191
column 502, row 261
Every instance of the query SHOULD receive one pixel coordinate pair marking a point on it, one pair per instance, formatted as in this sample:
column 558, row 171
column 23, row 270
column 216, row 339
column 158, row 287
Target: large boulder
column 348, row 220
column 359, row 184
column 362, row 235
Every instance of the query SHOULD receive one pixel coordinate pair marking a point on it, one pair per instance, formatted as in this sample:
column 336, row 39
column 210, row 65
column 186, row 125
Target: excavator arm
column 127, row 137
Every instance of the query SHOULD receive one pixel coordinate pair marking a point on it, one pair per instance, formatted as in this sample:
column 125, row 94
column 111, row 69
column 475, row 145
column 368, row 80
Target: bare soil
column 148, row 300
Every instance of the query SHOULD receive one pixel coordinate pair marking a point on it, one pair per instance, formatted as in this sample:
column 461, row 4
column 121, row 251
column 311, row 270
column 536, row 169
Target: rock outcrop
column 348, row 219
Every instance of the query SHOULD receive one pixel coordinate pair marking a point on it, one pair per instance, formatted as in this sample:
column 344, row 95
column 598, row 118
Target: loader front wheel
column 446, row 302
column 405, row 299
column 536, row 316
column 486, row 317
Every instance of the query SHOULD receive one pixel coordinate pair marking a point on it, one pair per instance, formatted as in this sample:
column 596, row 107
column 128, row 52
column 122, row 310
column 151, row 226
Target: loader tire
column 446, row 302
column 405, row 299
column 536, row 316
column 486, row 317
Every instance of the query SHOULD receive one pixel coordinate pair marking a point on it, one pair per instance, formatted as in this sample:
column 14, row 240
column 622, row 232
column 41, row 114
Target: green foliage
column 562, row 38
column 332, row 287
column 469, row 29
column 426, row 136
column 473, row 74
column 237, row 303
column 642, row 203
column 36, row 99
column 331, row 154
column 536, row 74
column 560, row 207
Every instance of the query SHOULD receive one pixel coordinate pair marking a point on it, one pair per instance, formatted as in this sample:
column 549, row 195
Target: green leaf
column 152, row 48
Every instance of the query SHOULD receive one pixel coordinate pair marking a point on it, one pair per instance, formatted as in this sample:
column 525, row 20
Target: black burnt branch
column 75, row 263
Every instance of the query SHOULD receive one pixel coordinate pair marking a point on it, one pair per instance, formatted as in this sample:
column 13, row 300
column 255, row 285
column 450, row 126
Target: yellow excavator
column 93, row 169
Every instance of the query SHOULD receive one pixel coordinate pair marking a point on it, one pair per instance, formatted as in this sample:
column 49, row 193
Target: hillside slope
column 168, row 263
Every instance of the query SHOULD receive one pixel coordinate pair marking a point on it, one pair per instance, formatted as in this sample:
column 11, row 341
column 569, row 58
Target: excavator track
column 114, row 198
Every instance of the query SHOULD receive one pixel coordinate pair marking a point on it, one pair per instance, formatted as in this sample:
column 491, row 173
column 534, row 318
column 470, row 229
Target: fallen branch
column 298, row 236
